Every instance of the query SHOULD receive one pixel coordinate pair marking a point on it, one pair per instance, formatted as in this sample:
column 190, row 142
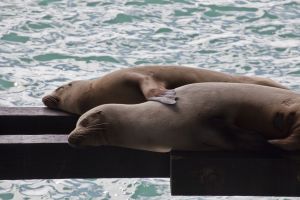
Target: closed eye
column 59, row 88
column 84, row 122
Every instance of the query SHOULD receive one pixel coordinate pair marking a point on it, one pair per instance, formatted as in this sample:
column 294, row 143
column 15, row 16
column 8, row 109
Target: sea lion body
column 136, row 85
column 207, row 116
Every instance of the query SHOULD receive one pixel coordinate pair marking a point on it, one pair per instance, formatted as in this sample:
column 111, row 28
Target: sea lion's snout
column 50, row 101
column 74, row 140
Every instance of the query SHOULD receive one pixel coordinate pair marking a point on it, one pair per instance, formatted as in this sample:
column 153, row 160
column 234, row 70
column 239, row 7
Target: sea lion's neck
column 124, row 128
column 115, row 117
column 87, row 97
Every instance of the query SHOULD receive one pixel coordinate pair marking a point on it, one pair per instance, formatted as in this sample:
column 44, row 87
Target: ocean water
column 45, row 43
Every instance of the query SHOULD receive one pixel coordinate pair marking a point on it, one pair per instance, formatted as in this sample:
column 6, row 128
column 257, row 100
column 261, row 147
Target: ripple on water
column 5, row 84
column 14, row 37
column 145, row 189
column 47, row 2
column 163, row 30
column 87, row 59
column 6, row 196
column 252, row 18
column 45, row 43
column 266, row 29
column 36, row 25
column 120, row 18
column 290, row 35
column 147, row 2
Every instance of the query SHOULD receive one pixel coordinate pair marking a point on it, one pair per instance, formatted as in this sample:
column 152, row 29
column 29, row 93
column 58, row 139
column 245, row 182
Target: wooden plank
column 59, row 160
column 35, row 120
column 33, row 145
column 27, row 151
column 241, row 174
column 31, row 111
column 32, row 139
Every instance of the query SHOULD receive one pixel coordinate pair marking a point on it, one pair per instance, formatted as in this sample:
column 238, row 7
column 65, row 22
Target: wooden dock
column 33, row 145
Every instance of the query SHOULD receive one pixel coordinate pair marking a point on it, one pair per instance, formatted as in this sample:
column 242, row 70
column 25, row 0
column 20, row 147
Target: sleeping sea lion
column 207, row 116
column 137, row 85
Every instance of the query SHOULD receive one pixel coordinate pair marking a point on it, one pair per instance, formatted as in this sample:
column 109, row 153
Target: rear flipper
column 291, row 143
column 241, row 139
column 254, row 141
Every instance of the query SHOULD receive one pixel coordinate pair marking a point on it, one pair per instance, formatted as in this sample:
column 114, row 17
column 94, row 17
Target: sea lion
column 207, row 116
column 136, row 85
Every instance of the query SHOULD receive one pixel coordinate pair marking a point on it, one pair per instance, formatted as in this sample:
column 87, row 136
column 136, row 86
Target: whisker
column 94, row 126
column 98, row 125
column 94, row 129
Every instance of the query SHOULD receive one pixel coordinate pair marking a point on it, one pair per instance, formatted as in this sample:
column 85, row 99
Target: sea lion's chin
column 83, row 139
column 74, row 140
column 51, row 101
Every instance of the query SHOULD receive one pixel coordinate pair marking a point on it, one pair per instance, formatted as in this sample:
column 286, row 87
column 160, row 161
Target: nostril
column 73, row 141
column 50, row 101
column 44, row 99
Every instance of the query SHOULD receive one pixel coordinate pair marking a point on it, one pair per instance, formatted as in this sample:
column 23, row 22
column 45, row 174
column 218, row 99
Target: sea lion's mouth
column 51, row 101
column 75, row 140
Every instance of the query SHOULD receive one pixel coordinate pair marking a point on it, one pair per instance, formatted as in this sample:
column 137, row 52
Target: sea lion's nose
column 73, row 141
column 50, row 101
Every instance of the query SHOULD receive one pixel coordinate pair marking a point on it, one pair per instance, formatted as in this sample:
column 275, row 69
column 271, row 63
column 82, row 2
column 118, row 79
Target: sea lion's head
column 90, row 129
column 69, row 97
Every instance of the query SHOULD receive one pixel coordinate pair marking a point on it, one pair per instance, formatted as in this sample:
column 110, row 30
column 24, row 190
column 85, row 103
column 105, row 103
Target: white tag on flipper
column 164, row 100
column 168, row 97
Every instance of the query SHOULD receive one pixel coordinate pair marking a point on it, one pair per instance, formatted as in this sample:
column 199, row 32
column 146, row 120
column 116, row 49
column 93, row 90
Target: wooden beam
column 240, row 174
column 35, row 120
column 33, row 145
column 59, row 160
column 27, row 151
column 33, row 139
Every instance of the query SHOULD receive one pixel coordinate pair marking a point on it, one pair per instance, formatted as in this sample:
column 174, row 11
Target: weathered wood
column 27, row 151
column 35, row 120
column 50, row 160
column 31, row 111
column 33, row 145
column 250, row 174
column 32, row 139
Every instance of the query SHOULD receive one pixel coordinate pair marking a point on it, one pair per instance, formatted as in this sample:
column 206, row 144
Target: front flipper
column 153, row 89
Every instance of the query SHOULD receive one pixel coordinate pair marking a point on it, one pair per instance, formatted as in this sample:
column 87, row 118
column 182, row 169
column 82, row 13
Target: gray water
column 45, row 43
